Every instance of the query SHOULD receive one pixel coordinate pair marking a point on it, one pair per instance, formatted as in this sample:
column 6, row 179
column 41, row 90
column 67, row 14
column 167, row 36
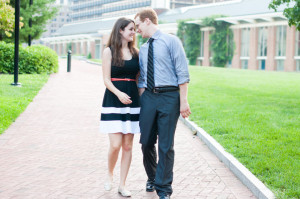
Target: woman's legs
column 115, row 140
column 126, row 157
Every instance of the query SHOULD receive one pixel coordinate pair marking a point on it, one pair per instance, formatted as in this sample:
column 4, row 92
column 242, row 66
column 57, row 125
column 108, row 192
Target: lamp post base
column 16, row 84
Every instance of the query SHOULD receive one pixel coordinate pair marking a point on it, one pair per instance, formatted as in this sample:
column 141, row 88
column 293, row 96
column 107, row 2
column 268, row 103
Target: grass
column 97, row 60
column 14, row 100
column 254, row 115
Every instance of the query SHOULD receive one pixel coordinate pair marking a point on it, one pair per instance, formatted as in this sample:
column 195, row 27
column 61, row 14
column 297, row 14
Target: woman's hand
column 124, row 98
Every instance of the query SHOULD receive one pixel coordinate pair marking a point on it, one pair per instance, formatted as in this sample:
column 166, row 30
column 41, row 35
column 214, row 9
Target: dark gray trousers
column 158, row 118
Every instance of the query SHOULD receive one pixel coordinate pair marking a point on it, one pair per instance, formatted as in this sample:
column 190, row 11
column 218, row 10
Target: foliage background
column 222, row 44
column 7, row 19
column 292, row 12
column 41, row 11
column 32, row 60
column 190, row 36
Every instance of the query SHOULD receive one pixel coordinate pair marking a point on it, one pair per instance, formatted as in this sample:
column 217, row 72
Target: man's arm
column 179, row 60
column 182, row 72
column 141, row 79
column 185, row 110
column 141, row 90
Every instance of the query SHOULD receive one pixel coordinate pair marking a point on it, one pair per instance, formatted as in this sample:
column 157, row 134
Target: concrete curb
column 91, row 62
column 244, row 175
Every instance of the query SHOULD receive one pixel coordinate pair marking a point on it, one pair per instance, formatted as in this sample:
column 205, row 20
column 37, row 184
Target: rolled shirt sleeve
column 180, row 61
column 142, row 81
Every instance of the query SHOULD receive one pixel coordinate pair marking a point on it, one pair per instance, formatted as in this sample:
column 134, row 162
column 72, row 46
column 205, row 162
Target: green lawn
column 254, row 115
column 14, row 100
column 97, row 60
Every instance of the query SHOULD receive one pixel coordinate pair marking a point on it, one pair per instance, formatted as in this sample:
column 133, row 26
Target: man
column 163, row 85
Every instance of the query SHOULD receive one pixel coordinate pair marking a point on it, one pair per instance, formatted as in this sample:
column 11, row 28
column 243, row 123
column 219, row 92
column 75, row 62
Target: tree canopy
column 7, row 18
column 292, row 12
column 41, row 11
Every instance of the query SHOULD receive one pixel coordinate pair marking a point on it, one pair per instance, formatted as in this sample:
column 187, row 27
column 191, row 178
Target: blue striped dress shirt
column 169, row 61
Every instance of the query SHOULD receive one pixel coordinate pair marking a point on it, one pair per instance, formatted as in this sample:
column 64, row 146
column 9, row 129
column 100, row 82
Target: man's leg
column 148, row 136
column 168, row 113
column 150, row 155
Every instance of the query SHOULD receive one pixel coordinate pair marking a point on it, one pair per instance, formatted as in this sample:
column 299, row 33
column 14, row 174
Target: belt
column 163, row 89
column 123, row 79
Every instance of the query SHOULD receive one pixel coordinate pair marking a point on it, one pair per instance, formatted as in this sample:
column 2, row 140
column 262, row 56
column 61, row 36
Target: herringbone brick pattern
column 54, row 149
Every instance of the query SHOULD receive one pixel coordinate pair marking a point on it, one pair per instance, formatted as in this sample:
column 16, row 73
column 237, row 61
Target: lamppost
column 30, row 24
column 17, row 28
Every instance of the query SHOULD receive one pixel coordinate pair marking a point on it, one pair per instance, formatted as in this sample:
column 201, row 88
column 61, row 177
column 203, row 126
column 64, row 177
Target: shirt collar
column 156, row 35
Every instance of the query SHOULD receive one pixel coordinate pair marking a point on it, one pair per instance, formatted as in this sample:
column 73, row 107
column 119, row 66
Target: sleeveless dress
column 117, row 117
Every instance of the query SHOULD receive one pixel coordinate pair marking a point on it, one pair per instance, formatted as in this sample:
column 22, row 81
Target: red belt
column 122, row 79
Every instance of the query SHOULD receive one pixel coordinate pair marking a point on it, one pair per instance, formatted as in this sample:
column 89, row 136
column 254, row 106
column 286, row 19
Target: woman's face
column 129, row 32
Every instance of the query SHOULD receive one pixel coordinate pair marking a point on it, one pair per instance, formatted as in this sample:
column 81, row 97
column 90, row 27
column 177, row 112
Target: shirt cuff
column 141, row 85
column 183, row 80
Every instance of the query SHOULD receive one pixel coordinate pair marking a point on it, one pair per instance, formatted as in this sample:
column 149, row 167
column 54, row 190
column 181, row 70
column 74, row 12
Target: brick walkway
column 54, row 149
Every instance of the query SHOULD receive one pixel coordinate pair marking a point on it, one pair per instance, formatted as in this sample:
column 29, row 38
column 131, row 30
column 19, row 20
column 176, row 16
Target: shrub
column 6, row 58
column 34, row 59
column 89, row 56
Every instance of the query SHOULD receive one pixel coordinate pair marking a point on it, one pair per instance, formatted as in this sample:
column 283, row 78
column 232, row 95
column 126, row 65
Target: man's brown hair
column 148, row 13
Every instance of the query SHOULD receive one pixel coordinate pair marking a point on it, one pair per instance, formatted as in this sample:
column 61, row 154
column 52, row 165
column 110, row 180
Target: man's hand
column 141, row 90
column 185, row 110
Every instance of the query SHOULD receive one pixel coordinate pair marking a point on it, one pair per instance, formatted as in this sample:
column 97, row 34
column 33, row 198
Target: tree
column 41, row 11
column 7, row 18
column 291, row 13
column 190, row 36
column 222, row 44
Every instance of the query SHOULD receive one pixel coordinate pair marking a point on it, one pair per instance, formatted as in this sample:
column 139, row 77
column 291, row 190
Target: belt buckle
column 154, row 90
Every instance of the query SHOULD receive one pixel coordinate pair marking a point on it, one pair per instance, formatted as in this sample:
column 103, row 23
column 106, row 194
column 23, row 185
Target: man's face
column 141, row 27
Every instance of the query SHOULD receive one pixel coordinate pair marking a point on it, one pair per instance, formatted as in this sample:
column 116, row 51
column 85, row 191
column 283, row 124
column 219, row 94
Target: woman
column 120, row 109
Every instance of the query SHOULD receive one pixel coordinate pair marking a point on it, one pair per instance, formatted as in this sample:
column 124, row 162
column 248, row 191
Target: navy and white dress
column 117, row 117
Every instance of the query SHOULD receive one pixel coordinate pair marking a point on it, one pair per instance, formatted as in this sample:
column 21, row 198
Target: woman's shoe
column 107, row 186
column 108, row 183
column 124, row 192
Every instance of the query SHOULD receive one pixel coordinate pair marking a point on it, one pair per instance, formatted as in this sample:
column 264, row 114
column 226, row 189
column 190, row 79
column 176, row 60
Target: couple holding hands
column 146, row 91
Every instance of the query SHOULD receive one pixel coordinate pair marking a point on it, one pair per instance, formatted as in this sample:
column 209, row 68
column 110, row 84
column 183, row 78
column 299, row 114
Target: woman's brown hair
column 115, row 42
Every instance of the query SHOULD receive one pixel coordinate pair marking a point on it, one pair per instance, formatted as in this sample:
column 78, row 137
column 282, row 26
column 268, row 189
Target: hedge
column 35, row 59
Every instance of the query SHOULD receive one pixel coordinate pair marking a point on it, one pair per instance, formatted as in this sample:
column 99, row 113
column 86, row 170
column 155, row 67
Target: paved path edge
column 241, row 172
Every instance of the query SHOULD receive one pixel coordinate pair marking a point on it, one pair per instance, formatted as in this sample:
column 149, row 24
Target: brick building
column 263, row 40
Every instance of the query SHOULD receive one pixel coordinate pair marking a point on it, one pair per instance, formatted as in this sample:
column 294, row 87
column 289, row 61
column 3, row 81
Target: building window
column 297, row 43
column 280, row 47
column 297, row 53
column 262, row 41
column 280, row 65
column 280, row 41
column 298, row 65
column 245, row 42
column 244, row 64
column 262, row 64
column 262, row 47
